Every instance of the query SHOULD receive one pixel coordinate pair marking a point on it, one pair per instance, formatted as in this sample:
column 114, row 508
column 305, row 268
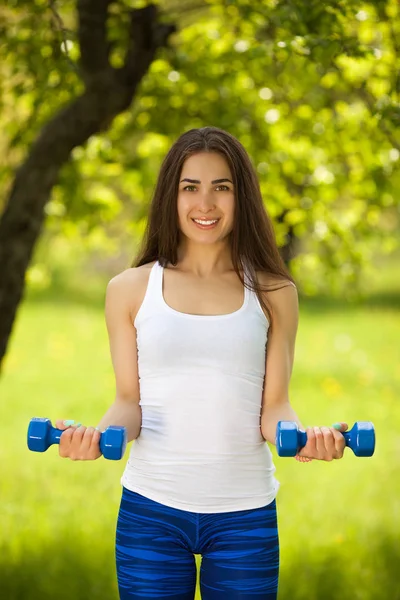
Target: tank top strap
column 151, row 300
column 253, row 303
column 156, row 283
column 248, row 291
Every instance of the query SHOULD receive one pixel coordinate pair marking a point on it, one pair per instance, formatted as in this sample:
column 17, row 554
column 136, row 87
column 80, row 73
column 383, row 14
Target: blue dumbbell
column 290, row 440
column 41, row 435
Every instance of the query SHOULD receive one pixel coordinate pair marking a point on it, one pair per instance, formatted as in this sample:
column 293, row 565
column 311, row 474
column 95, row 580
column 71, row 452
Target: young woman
column 202, row 333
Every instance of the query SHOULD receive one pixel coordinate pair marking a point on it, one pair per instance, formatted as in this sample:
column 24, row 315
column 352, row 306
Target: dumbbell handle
column 55, row 435
column 112, row 441
column 302, row 439
column 361, row 438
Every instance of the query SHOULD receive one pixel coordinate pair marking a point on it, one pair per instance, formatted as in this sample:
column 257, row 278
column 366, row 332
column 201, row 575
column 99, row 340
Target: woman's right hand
column 79, row 442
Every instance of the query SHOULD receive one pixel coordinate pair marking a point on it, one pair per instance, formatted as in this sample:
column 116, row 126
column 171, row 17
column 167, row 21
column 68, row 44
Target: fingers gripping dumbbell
column 290, row 440
column 41, row 435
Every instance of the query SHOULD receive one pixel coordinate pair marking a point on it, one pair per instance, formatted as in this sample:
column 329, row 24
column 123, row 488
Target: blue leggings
column 156, row 544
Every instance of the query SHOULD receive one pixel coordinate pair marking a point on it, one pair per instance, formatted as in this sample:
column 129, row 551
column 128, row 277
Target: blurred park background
column 311, row 90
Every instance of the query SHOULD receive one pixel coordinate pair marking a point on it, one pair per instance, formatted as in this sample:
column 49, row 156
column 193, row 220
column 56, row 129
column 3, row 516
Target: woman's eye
column 193, row 186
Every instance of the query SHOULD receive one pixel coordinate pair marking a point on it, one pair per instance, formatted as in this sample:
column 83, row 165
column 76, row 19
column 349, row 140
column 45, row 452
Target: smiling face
column 206, row 192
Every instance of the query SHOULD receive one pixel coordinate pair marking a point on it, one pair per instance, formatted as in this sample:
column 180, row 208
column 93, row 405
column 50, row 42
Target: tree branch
column 145, row 36
column 59, row 26
column 92, row 36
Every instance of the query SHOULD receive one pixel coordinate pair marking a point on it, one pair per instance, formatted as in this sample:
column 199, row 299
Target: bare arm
column 279, row 362
column 323, row 443
column 125, row 410
column 80, row 442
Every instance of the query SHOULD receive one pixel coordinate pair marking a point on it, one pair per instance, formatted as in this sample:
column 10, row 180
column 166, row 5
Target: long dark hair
column 252, row 239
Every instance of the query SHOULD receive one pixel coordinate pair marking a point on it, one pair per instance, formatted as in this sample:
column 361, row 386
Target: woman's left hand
column 323, row 443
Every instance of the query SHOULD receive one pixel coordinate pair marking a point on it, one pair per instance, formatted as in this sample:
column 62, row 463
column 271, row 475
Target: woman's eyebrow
column 198, row 180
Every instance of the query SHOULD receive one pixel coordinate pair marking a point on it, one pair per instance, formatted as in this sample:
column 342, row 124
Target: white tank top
column 201, row 377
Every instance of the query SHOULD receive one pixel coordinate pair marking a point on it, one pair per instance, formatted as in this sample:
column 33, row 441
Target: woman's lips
column 206, row 226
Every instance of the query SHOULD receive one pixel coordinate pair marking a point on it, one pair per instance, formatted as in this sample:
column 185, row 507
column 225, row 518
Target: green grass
column 339, row 522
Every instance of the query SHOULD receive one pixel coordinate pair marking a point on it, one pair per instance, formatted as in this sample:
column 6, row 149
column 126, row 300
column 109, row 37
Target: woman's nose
column 206, row 201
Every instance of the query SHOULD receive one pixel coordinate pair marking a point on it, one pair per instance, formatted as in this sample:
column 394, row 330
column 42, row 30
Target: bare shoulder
column 132, row 276
column 282, row 297
column 276, row 283
column 128, row 288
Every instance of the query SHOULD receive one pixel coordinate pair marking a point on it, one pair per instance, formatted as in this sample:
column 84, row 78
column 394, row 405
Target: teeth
column 204, row 222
